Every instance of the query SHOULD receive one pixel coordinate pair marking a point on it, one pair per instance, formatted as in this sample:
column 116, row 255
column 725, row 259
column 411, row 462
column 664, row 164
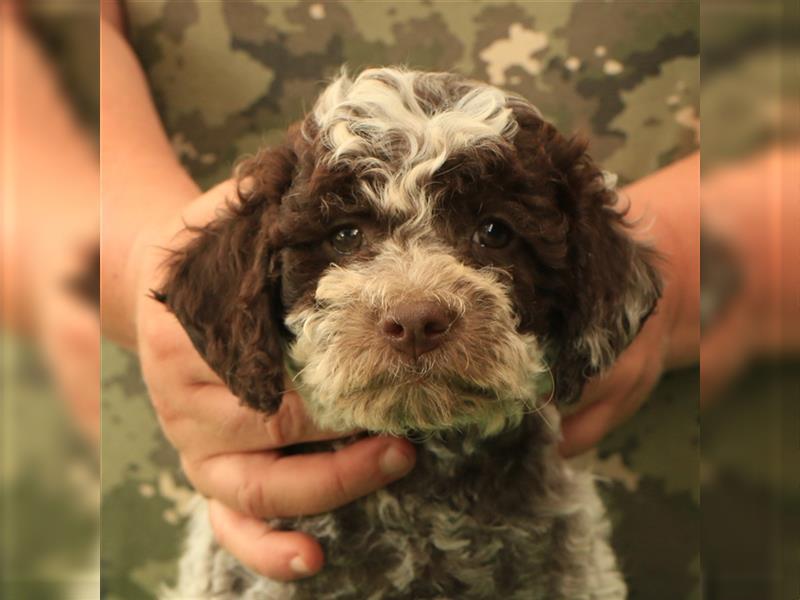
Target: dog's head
column 424, row 252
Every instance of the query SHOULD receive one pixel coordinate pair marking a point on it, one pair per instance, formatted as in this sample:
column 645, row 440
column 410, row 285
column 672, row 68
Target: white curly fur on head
column 403, row 125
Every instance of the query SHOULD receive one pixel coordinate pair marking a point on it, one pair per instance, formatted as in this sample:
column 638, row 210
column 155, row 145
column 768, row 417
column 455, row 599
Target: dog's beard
column 485, row 375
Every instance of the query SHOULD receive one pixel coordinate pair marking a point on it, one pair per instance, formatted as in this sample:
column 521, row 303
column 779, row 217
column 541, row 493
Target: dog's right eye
column 347, row 239
column 493, row 234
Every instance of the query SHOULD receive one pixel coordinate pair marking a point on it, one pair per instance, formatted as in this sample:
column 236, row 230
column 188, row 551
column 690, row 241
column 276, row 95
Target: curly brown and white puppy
column 429, row 258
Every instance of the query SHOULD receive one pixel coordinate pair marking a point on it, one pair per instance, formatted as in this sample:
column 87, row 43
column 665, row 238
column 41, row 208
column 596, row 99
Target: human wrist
column 124, row 265
column 680, row 301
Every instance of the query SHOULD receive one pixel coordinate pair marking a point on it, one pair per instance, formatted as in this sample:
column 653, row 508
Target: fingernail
column 394, row 463
column 299, row 566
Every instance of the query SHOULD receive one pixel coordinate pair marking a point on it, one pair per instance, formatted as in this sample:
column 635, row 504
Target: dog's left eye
column 347, row 240
column 493, row 234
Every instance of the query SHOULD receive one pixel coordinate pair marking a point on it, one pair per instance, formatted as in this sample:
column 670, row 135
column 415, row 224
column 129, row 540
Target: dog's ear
column 614, row 279
column 224, row 285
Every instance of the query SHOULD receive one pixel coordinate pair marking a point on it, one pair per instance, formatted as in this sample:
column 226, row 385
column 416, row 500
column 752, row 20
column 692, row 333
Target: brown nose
column 415, row 328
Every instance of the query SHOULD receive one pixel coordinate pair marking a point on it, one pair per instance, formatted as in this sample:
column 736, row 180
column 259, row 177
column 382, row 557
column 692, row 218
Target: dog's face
column 424, row 253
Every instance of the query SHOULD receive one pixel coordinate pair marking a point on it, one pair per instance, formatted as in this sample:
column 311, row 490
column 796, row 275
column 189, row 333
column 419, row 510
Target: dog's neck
column 453, row 453
column 508, row 467
column 492, row 475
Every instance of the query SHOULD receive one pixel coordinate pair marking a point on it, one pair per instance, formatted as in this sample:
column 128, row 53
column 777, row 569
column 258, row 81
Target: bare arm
column 50, row 192
column 142, row 182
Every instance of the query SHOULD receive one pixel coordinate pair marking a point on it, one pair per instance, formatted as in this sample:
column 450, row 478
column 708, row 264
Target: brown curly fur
column 491, row 510
column 234, row 283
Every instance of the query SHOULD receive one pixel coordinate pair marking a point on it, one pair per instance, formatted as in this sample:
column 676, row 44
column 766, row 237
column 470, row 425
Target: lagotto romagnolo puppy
column 428, row 258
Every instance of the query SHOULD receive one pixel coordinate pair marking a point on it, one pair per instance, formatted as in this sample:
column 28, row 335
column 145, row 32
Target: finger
column 281, row 555
column 604, row 401
column 185, row 391
column 585, row 428
column 209, row 205
column 188, row 394
column 264, row 484
column 213, row 415
column 255, row 430
column 612, row 398
column 167, row 354
column 644, row 357
column 627, row 391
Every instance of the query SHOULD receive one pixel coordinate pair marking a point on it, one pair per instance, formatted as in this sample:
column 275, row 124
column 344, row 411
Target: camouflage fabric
column 751, row 486
column 49, row 486
column 750, row 451
column 230, row 76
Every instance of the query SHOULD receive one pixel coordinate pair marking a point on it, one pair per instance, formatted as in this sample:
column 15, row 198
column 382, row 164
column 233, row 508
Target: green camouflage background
column 750, row 450
column 230, row 76
column 49, row 487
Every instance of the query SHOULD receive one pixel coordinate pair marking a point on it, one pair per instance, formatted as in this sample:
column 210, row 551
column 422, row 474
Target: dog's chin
column 421, row 404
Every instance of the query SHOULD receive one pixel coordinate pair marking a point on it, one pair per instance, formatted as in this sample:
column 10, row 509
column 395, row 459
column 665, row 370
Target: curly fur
column 424, row 537
column 416, row 162
column 487, row 375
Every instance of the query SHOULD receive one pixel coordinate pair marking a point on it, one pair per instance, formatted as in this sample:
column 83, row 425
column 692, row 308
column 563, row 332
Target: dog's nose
column 415, row 328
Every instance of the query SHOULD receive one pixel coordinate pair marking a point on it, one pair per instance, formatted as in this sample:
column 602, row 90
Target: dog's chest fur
column 498, row 518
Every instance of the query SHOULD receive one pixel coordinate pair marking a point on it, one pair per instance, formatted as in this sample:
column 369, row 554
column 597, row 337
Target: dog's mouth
column 402, row 400
column 426, row 379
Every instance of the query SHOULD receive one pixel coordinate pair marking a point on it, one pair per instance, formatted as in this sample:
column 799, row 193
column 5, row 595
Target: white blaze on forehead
column 378, row 124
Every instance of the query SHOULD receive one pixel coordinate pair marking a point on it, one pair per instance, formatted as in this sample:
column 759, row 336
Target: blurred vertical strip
column 750, row 299
column 49, row 332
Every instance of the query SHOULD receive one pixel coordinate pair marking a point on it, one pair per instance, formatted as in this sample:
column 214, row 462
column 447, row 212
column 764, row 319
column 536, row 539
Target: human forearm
column 143, row 183
column 50, row 189
column 50, row 182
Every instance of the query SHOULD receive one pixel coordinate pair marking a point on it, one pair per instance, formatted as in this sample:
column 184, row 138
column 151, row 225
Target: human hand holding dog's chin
column 231, row 453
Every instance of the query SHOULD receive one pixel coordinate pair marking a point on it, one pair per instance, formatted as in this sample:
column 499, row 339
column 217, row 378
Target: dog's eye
column 347, row 240
column 492, row 234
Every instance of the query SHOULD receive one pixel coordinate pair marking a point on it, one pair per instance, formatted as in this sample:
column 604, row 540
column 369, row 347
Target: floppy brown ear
column 224, row 285
column 616, row 282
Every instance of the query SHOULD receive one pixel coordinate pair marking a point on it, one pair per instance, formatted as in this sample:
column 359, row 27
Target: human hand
column 609, row 400
column 232, row 454
column 666, row 205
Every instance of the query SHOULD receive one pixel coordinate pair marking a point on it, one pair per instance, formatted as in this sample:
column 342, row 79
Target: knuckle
column 287, row 426
column 647, row 375
column 340, row 488
column 252, row 500
column 165, row 409
column 168, row 411
column 278, row 428
column 220, row 532
column 158, row 337
column 191, row 470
